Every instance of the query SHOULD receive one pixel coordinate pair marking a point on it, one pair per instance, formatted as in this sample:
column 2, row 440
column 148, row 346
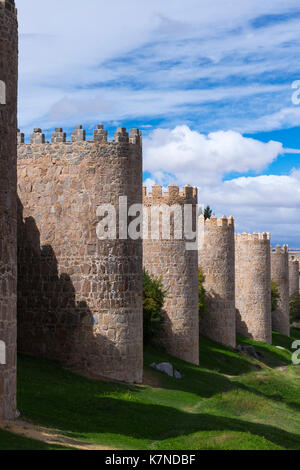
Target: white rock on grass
column 168, row 369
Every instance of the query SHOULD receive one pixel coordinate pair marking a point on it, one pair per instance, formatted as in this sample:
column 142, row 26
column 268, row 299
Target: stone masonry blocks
column 169, row 260
column 8, row 206
column 280, row 274
column 79, row 297
column 216, row 259
column 253, row 286
column 293, row 276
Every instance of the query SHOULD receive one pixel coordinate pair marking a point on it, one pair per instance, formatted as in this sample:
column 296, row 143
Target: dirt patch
column 47, row 435
column 152, row 379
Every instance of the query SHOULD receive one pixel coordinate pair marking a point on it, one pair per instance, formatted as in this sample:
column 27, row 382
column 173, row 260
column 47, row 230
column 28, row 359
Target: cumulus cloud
column 268, row 203
column 176, row 63
column 259, row 203
column 199, row 159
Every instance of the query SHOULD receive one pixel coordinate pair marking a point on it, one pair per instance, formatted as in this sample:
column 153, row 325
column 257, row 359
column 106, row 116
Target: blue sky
column 208, row 81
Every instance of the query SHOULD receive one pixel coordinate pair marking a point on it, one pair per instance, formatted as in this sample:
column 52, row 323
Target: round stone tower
column 253, row 286
column 280, row 274
column 294, row 276
column 8, row 202
column 166, row 256
column 216, row 259
column 80, row 274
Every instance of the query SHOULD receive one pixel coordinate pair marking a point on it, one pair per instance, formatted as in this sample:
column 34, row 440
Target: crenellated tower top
column 173, row 195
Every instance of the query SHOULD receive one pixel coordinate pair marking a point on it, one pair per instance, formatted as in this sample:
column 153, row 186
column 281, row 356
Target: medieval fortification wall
column 293, row 276
column 79, row 297
column 253, row 286
column 8, row 206
column 280, row 274
column 216, row 259
column 178, row 269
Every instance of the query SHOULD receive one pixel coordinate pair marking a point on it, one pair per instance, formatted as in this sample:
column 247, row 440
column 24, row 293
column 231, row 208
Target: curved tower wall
column 169, row 260
column 8, row 205
column 293, row 277
column 80, row 297
column 216, row 259
column 253, row 286
column 280, row 274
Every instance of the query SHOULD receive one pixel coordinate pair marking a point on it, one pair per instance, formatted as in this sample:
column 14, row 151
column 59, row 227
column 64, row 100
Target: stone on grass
column 167, row 369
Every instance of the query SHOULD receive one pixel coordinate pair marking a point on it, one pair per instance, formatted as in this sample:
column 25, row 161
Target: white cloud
column 268, row 203
column 259, row 203
column 198, row 61
column 197, row 159
column 284, row 118
column 153, row 59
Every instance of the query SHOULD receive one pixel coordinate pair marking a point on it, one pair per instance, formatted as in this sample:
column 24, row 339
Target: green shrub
column 295, row 307
column 275, row 295
column 154, row 296
column 207, row 212
column 202, row 293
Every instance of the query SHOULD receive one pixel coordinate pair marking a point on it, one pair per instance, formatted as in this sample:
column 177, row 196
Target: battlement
column 8, row 5
column 280, row 250
column 293, row 261
column 215, row 222
column 173, row 195
column 252, row 236
column 78, row 136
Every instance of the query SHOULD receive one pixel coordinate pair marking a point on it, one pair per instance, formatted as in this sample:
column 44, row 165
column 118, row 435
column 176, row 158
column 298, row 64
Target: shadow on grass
column 9, row 441
column 82, row 408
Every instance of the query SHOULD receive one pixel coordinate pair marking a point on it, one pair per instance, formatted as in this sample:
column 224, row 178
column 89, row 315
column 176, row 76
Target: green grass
column 230, row 402
column 9, row 441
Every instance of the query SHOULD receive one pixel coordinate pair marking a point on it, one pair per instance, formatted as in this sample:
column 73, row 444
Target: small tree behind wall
column 207, row 212
column 154, row 296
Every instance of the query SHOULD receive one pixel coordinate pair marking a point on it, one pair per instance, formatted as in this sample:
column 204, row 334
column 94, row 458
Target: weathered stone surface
column 8, row 205
column 216, row 259
column 253, row 286
column 293, row 276
column 178, row 269
column 79, row 298
column 280, row 274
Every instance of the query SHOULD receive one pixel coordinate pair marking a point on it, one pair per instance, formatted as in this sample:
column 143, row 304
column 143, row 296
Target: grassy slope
column 227, row 403
column 10, row 441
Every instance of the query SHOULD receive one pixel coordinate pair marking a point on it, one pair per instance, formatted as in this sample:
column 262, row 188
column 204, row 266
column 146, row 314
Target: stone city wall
column 253, row 286
column 177, row 267
column 79, row 297
column 8, row 206
column 216, row 259
column 280, row 274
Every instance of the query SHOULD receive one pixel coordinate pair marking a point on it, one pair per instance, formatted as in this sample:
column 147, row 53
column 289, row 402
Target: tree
column 154, row 296
column 207, row 212
column 275, row 295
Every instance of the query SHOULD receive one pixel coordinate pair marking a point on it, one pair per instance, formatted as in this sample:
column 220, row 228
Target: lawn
column 231, row 401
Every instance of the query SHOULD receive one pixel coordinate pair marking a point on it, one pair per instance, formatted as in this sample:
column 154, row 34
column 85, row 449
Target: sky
column 213, row 84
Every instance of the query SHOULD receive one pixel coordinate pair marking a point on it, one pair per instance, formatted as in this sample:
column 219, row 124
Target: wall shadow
column 52, row 322
column 79, row 407
column 241, row 325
